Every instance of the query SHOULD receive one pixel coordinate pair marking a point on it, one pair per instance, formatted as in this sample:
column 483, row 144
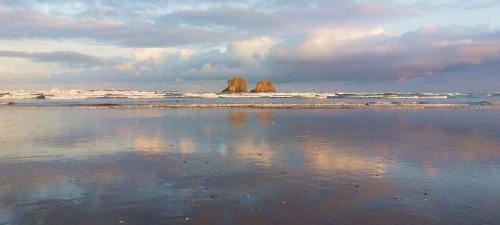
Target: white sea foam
column 81, row 94
column 394, row 95
column 134, row 94
column 258, row 95
column 131, row 94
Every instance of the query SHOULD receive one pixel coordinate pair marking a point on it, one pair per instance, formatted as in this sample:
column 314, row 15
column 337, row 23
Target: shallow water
column 244, row 166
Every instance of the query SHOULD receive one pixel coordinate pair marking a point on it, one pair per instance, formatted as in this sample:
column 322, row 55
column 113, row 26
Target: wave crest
column 133, row 94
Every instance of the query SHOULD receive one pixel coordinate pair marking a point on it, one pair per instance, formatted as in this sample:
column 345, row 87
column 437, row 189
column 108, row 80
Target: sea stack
column 264, row 86
column 236, row 85
column 40, row 96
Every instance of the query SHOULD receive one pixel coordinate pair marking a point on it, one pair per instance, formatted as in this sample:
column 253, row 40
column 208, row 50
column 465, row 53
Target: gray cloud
column 423, row 53
column 440, row 54
column 133, row 24
column 449, row 55
column 30, row 24
column 63, row 57
column 278, row 16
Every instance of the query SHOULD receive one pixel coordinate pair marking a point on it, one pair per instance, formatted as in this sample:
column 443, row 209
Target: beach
column 101, row 165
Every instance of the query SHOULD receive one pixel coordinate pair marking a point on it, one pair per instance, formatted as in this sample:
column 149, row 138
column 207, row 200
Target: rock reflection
column 265, row 118
column 237, row 119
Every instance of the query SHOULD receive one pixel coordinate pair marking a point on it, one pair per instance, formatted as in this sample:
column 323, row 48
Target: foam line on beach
column 265, row 106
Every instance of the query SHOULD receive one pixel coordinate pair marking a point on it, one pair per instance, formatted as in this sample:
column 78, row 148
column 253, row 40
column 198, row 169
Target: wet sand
column 249, row 166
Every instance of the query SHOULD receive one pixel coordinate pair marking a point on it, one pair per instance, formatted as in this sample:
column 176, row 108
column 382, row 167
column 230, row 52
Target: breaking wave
column 149, row 99
column 133, row 94
column 340, row 105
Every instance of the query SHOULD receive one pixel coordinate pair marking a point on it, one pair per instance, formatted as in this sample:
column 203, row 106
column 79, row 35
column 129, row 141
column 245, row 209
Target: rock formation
column 40, row 96
column 264, row 86
column 236, row 85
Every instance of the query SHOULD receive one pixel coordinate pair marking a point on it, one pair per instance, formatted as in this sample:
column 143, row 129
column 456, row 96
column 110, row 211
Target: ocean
column 134, row 98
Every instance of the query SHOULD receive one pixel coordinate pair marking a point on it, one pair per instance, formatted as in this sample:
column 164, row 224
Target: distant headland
column 239, row 85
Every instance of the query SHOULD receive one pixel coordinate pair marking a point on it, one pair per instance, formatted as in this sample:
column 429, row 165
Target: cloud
column 6, row 72
column 286, row 41
column 154, row 61
column 254, row 49
column 28, row 23
column 327, row 42
column 144, row 24
column 274, row 17
column 372, row 56
column 63, row 57
column 10, row 74
column 147, row 62
column 353, row 55
column 210, row 71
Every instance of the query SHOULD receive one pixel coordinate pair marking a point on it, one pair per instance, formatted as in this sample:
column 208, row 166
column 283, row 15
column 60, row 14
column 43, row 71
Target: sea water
column 134, row 98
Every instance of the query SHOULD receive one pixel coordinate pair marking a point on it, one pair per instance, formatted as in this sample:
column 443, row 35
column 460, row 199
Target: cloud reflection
column 149, row 145
column 187, row 146
column 255, row 151
column 331, row 158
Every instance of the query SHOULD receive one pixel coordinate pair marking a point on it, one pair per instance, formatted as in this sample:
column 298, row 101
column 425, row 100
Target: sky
column 301, row 45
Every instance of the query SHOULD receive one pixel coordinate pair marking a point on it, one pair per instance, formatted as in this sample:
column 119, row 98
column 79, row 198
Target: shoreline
column 261, row 106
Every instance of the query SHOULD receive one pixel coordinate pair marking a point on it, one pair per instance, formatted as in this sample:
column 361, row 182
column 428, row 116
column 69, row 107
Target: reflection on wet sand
column 250, row 150
column 309, row 167
column 149, row 145
column 237, row 119
column 465, row 146
column 336, row 158
column 187, row 146
column 265, row 117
